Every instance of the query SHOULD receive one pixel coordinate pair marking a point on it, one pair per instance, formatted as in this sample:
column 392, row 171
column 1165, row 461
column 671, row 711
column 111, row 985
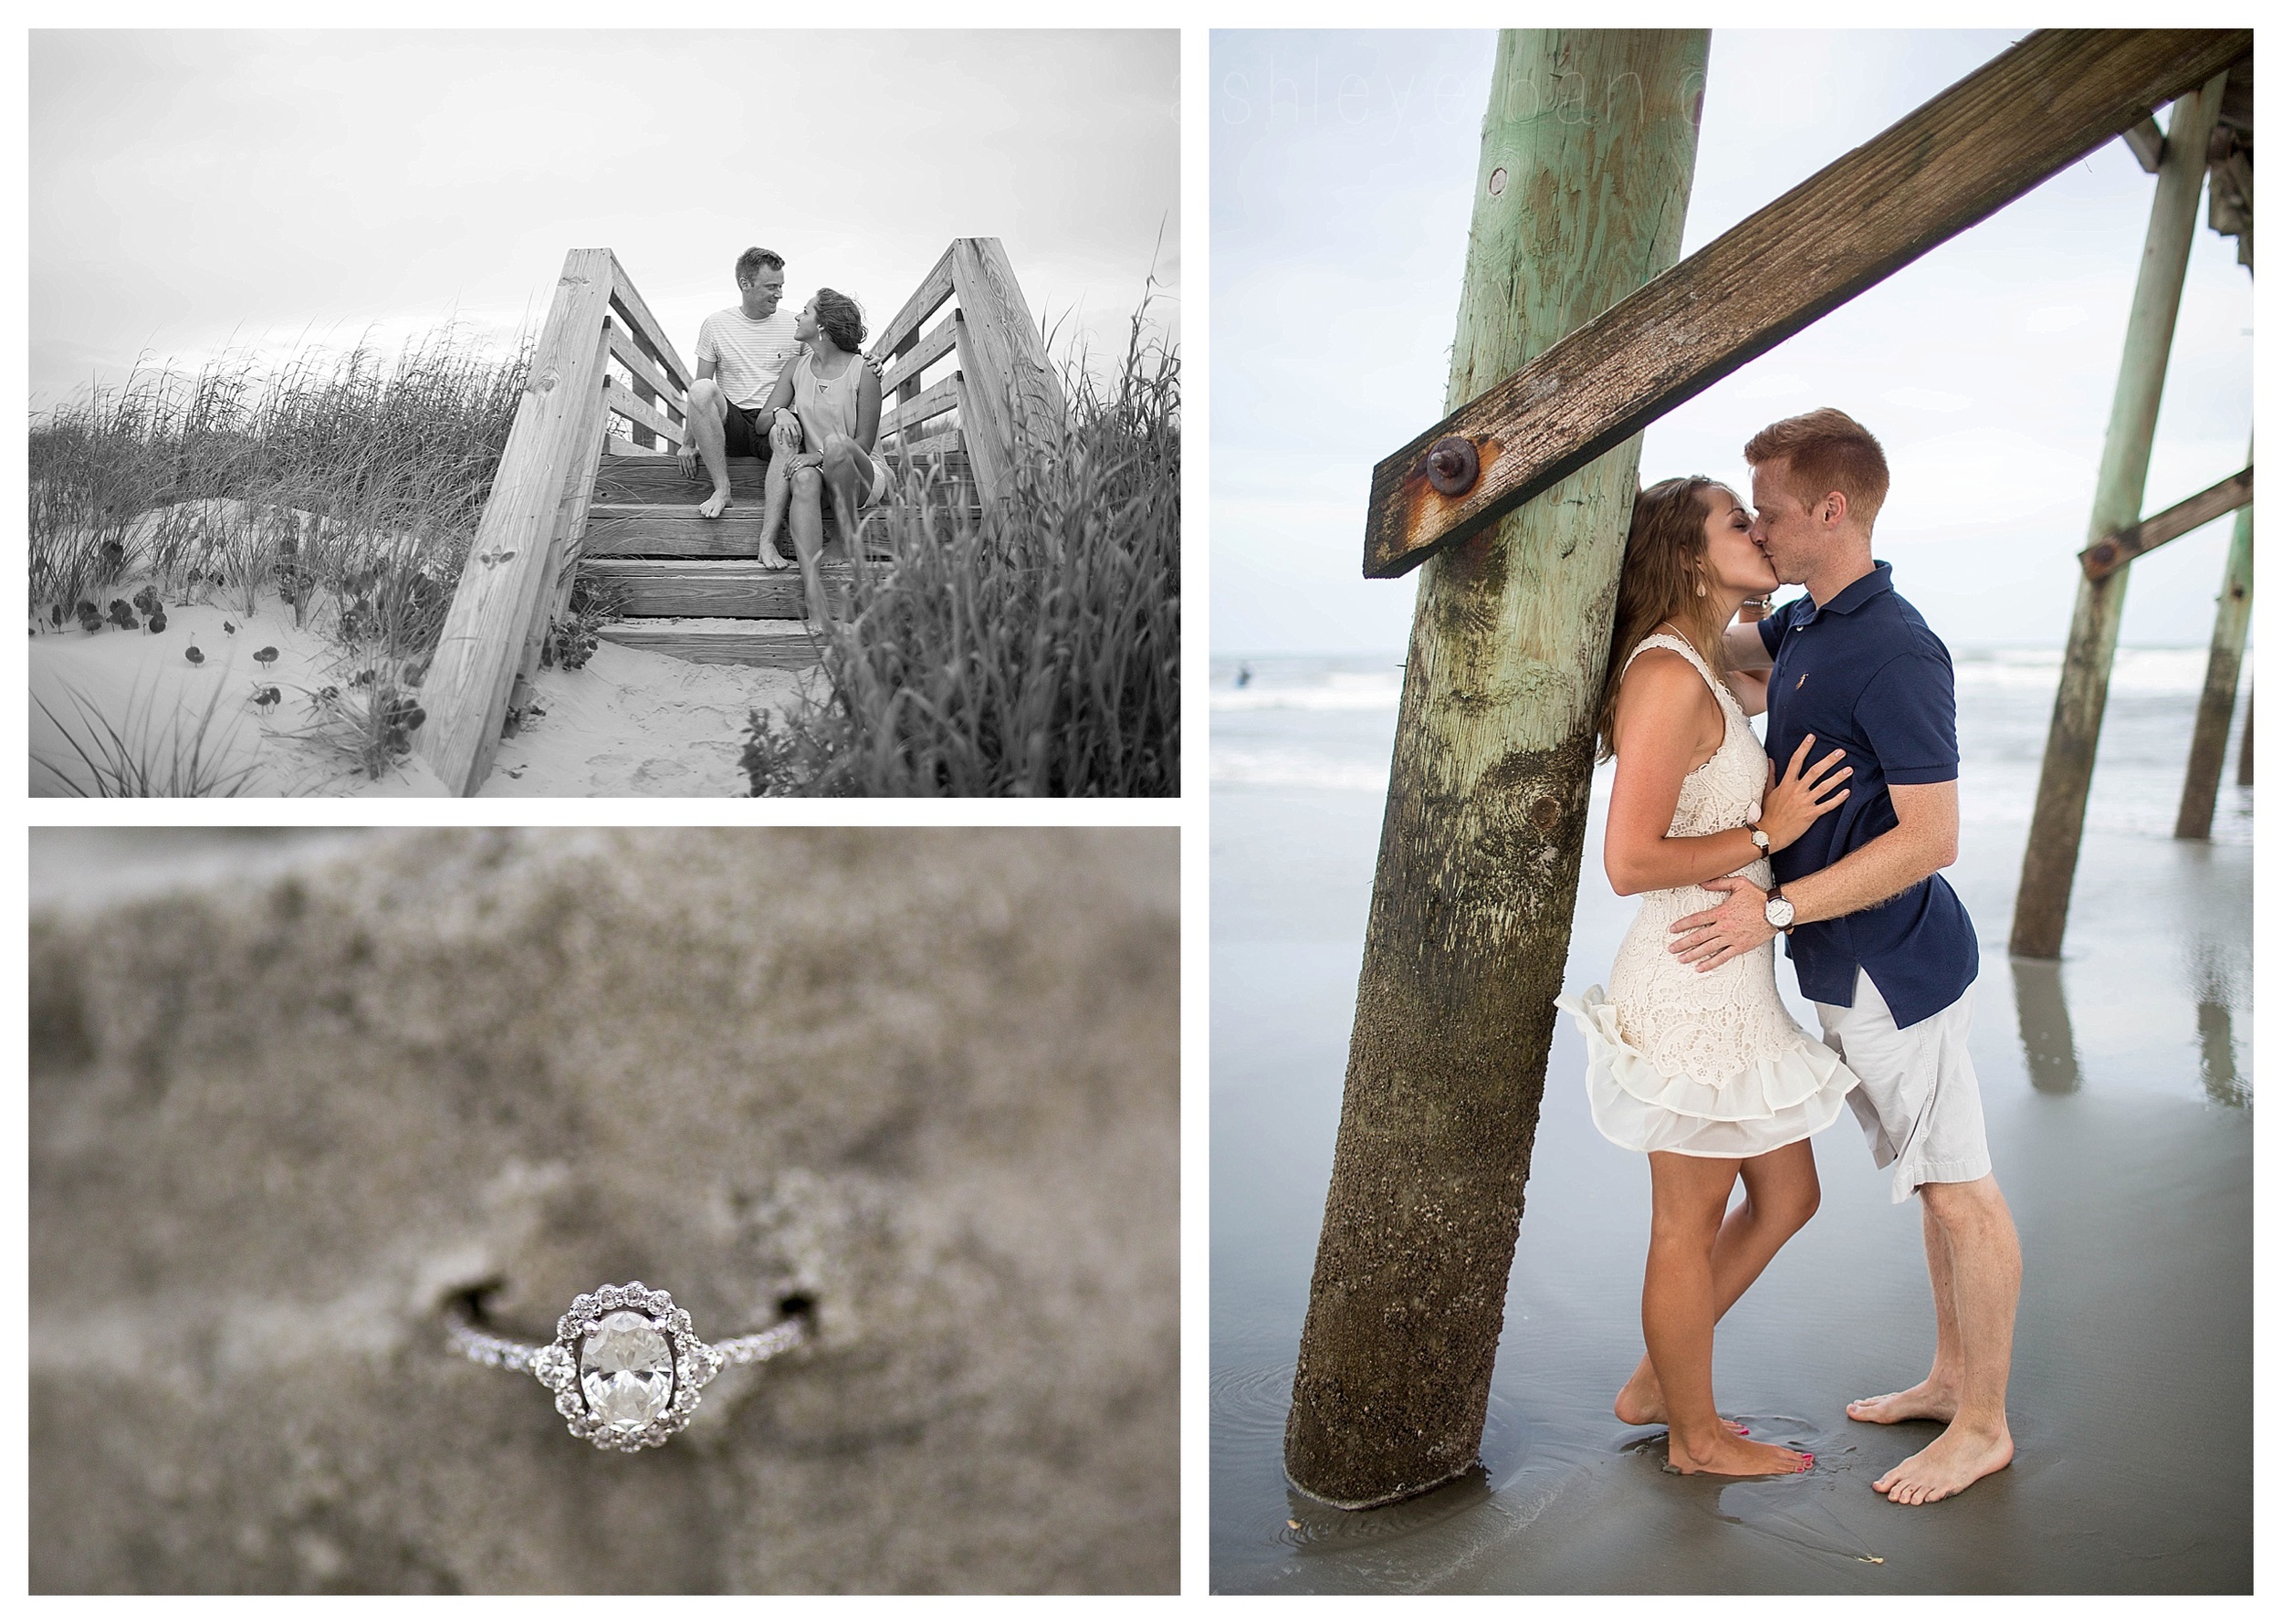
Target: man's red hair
column 1823, row 451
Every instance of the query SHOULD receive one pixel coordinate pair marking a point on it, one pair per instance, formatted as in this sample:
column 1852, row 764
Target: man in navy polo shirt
column 1880, row 942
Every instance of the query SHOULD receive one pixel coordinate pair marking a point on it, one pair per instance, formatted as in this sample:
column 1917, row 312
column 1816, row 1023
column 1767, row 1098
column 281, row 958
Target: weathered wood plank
column 2064, row 781
column 939, row 341
column 631, row 356
column 648, row 331
column 937, row 399
column 2146, row 140
column 633, row 410
column 902, row 331
column 663, row 532
column 570, row 528
column 466, row 689
column 1014, row 398
column 2221, row 675
column 729, row 590
column 1995, row 134
column 660, row 480
column 739, row 642
column 2111, row 552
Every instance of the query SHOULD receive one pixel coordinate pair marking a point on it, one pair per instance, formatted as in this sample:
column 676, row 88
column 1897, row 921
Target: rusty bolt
column 1452, row 465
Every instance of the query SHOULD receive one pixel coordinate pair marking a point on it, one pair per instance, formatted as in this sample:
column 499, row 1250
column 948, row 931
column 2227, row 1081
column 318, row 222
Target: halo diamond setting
column 626, row 1366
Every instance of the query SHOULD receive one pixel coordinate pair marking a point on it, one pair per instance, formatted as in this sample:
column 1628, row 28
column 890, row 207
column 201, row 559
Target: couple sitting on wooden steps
column 797, row 392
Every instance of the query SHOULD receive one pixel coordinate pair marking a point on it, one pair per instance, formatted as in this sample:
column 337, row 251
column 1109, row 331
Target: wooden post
column 2214, row 716
column 2250, row 714
column 2040, row 911
column 1011, row 398
column 1587, row 151
column 486, row 630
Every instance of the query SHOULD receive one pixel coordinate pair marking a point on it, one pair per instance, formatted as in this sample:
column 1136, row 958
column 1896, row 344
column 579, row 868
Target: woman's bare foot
column 1641, row 1403
column 1924, row 1402
column 1726, row 1456
column 1955, row 1460
column 712, row 507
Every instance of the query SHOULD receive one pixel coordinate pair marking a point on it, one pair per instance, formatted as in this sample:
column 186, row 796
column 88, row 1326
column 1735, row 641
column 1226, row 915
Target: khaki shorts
column 1919, row 1100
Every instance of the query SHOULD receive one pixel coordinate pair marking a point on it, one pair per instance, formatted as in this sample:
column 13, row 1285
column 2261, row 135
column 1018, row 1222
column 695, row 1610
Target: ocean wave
column 1253, row 767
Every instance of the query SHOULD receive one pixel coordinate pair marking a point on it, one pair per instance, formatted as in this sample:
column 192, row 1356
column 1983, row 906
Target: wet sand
column 2116, row 1088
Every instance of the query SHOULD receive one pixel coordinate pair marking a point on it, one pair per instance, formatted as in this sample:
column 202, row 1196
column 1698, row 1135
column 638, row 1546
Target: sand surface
column 629, row 722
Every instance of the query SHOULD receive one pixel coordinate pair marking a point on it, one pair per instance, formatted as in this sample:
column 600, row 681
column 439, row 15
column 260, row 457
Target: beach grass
column 141, row 753
column 1034, row 653
column 350, row 484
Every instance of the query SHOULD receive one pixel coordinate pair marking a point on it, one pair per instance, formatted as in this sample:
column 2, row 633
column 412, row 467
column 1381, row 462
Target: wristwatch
column 1759, row 838
column 1780, row 912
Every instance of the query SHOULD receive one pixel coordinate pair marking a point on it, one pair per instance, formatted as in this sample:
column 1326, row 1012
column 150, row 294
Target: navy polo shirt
column 1865, row 674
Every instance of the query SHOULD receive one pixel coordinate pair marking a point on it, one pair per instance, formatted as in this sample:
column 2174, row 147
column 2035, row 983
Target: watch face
column 1779, row 914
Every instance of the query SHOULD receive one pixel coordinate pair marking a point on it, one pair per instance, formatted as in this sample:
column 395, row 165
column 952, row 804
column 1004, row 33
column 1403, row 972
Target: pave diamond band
column 626, row 1366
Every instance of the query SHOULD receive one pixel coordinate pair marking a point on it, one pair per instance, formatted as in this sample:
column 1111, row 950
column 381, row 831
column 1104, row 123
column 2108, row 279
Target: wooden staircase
column 692, row 587
column 588, row 487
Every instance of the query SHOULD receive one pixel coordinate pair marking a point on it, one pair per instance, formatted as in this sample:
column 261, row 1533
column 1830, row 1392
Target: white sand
column 629, row 723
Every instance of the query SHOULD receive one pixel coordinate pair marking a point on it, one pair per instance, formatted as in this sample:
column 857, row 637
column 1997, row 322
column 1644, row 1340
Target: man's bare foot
column 1952, row 1463
column 1641, row 1403
column 1727, row 1455
column 1924, row 1402
column 712, row 507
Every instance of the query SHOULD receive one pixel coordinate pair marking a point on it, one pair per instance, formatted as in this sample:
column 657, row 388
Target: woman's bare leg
column 776, row 495
column 808, row 540
column 847, row 476
column 1781, row 1192
column 1677, row 1313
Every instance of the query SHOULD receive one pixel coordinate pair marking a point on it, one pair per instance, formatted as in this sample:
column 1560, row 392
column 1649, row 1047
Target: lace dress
column 1705, row 1063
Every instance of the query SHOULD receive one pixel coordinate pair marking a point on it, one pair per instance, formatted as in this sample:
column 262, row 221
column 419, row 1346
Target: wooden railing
column 1002, row 394
column 604, row 376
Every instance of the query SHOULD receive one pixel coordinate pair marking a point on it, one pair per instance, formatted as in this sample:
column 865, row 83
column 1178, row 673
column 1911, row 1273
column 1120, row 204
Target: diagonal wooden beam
column 2113, row 551
column 1989, row 138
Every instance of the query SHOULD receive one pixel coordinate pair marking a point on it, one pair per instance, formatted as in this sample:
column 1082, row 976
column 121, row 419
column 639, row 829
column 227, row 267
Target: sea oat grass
column 350, row 484
column 1037, row 653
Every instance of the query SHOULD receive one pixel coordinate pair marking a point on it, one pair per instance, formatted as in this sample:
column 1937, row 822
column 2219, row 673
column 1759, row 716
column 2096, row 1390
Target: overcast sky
column 198, row 190
column 1343, row 166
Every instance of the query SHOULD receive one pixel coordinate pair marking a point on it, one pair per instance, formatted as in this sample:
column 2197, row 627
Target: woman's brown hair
column 1666, row 578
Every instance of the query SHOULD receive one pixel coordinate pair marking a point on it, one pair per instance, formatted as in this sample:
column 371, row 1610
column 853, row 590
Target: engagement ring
column 625, row 1368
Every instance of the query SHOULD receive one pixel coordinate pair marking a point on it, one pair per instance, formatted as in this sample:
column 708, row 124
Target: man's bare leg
column 808, row 540
column 1983, row 1255
column 708, row 410
column 1935, row 1398
column 1781, row 1192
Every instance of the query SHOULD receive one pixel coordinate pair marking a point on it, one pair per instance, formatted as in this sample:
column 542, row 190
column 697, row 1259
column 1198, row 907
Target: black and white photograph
column 604, row 413
column 604, row 1210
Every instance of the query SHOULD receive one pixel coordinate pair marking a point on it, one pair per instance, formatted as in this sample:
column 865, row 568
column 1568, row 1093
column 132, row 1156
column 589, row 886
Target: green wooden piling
column 1587, row 151
column 2040, row 912
column 2214, row 716
column 2250, row 712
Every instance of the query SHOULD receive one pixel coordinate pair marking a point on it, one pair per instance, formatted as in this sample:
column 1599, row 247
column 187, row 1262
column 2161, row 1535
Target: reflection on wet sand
column 2048, row 1040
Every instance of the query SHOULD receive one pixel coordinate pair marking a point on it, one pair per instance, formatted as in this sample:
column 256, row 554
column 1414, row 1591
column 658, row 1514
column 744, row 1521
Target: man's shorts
column 1919, row 1101
column 741, row 432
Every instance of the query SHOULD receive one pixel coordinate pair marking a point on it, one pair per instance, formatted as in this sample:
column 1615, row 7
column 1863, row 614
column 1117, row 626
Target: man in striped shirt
column 740, row 350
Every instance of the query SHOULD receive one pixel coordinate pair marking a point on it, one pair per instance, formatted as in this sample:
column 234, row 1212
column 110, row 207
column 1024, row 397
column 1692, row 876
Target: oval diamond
column 627, row 1370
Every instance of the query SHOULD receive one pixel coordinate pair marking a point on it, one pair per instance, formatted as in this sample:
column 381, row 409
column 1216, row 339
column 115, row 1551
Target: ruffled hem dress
column 1703, row 1062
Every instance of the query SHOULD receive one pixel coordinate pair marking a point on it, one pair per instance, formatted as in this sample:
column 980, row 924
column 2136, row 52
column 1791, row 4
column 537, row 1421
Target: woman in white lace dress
column 1703, row 1069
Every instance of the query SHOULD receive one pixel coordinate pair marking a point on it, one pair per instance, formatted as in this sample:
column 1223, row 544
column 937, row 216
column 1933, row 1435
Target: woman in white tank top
column 825, row 416
column 1702, row 1068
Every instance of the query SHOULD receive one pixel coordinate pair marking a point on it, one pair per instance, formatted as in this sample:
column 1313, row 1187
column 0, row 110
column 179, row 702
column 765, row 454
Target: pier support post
column 1587, row 151
column 2214, row 716
column 2040, row 911
column 2250, row 715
